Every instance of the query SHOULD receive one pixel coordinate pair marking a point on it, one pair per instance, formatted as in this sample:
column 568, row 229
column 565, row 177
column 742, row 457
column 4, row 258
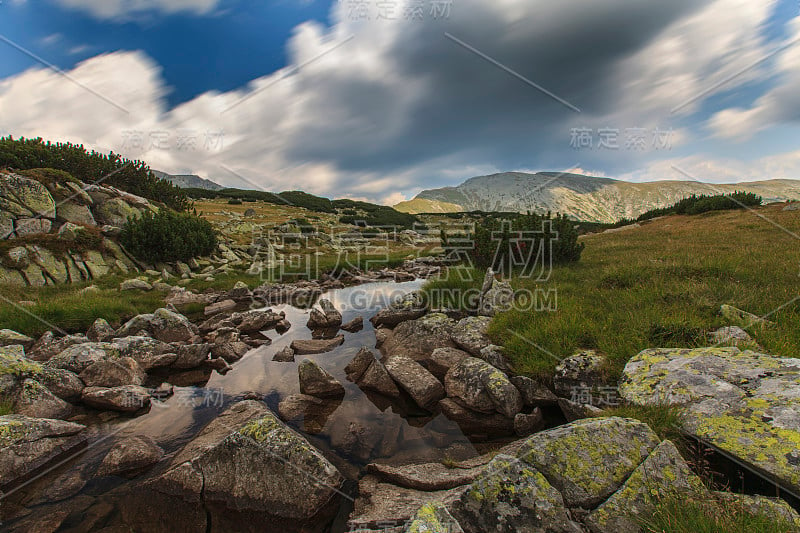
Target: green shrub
column 168, row 236
column 89, row 167
column 234, row 201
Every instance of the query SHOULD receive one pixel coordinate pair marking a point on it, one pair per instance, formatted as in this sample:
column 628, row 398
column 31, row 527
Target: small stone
column 315, row 381
column 286, row 355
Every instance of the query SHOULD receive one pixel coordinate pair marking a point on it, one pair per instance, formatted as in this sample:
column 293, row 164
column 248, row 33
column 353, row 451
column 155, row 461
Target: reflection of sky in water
column 180, row 417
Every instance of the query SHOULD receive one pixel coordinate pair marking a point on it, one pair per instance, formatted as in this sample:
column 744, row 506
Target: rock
column 526, row 424
column 286, row 355
column 761, row 505
column 32, row 226
column 421, row 385
column 79, row 357
column 370, row 374
column 49, row 345
column 742, row 402
column 191, row 355
column 410, row 307
column 75, row 213
column 67, row 485
column 443, row 359
column 731, row 336
column 417, row 339
column 130, row 457
column 100, row 331
column 427, row 476
column 135, row 285
column 229, row 351
column 9, row 337
column 499, row 298
column 533, row 393
column 325, row 317
column 115, row 212
column 663, row 473
column 315, row 381
column 250, row 212
column 240, row 291
column 163, row 325
column 583, row 371
column 219, row 307
column 30, row 444
column 126, row 399
column 475, row 423
column 355, row 325
column 34, row 400
column 253, row 321
column 575, row 411
column 354, row 440
column 63, row 383
column 493, row 355
column 70, row 232
column 481, row 387
column 588, row 460
column 738, row 317
column 148, row 352
column 314, row 346
column 469, row 334
column 433, row 517
column 512, row 496
column 313, row 411
column 247, row 461
column 116, row 373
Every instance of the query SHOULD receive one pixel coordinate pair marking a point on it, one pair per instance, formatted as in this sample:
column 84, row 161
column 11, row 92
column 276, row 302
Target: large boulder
column 314, row 412
column 588, row 460
column 29, row 444
column 31, row 398
column 148, row 352
column 130, row 457
column 584, row 371
column 9, row 337
column 126, row 398
column 498, row 298
column 122, row 371
column 22, row 195
column 248, row 464
column 163, row 325
column 79, row 357
column 409, row 307
column 470, row 334
column 115, row 212
column 483, row 388
column 370, row 374
column 421, row 385
column 742, row 402
column 417, row 339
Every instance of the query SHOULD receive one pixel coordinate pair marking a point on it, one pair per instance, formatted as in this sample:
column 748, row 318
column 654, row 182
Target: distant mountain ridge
column 188, row 181
column 580, row 197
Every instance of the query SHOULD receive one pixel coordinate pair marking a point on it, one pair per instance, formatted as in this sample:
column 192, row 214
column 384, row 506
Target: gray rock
column 314, row 346
column 417, row 339
column 410, row 307
column 443, row 359
column 33, row 399
column 63, row 383
column 240, row 291
column 737, row 317
column 534, row 394
column 314, row 412
column 79, row 357
column 584, row 370
column 421, row 385
column 49, row 345
column 526, row 424
column 163, row 325
column 191, row 355
column 255, row 320
column 28, row 444
column 327, row 316
column 9, row 337
column 731, row 336
column 32, row 226
column 355, row 325
column 470, row 334
column 286, row 355
column 130, row 457
column 573, row 411
column 229, row 351
column 116, row 373
column 126, row 399
column 315, row 381
column 475, row 423
column 100, row 331
column 499, row 298
column 483, row 388
column 370, row 374
column 588, row 460
column 148, row 352
column 135, row 285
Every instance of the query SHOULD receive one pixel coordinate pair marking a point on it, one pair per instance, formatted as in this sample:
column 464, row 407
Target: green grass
column 446, row 291
column 686, row 515
column 661, row 285
column 6, row 407
column 664, row 420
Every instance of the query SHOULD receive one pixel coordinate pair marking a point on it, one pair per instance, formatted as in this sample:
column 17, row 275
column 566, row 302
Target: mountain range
column 580, row 197
column 188, row 181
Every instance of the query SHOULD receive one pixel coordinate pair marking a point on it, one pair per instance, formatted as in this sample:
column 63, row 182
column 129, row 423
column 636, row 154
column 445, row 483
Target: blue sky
column 380, row 104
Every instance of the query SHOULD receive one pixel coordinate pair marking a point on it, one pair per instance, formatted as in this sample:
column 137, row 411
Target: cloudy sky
column 378, row 99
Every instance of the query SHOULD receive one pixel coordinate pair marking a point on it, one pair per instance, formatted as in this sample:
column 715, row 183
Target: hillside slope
column 188, row 181
column 580, row 197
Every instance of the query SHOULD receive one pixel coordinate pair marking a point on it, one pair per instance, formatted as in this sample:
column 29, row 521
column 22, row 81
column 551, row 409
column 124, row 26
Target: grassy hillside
column 423, row 205
column 661, row 285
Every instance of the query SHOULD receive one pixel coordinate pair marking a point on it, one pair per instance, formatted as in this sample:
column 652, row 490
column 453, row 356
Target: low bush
column 168, row 236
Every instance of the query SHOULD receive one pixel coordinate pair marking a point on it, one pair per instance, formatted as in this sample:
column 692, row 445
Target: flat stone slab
column 746, row 404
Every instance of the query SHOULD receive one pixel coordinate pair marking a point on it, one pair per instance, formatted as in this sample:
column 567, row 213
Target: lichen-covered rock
column 499, row 298
column 433, row 518
column 115, row 212
column 327, row 316
column 470, row 334
column 247, row 461
column 483, row 388
column 476, row 423
column 761, row 505
column 314, row 346
column 126, row 398
column 662, row 474
column 71, row 212
column 28, row 193
column 79, row 357
column 130, row 457
column 28, row 444
column 32, row 399
column 534, row 394
column 737, row 317
column 512, row 496
column 421, row 385
column 731, row 336
column 9, row 337
column 585, row 370
column 49, row 345
column 443, row 359
column 135, row 285
column 588, row 460
column 370, row 374
column 409, row 307
column 148, row 352
column 417, row 339
column 100, row 331
column 63, row 383
column 744, row 403
column 163, row 325
column 191, row 355
column 315, row 381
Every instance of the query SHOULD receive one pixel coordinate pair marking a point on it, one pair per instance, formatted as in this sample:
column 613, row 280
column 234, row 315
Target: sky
column 380, row 99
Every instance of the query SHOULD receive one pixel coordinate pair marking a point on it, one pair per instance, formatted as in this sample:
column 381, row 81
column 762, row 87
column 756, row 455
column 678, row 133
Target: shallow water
column 362, row 429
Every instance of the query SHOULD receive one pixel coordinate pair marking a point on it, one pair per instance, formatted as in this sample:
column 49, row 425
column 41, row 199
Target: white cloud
column 123, row 9
column 399, row 107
